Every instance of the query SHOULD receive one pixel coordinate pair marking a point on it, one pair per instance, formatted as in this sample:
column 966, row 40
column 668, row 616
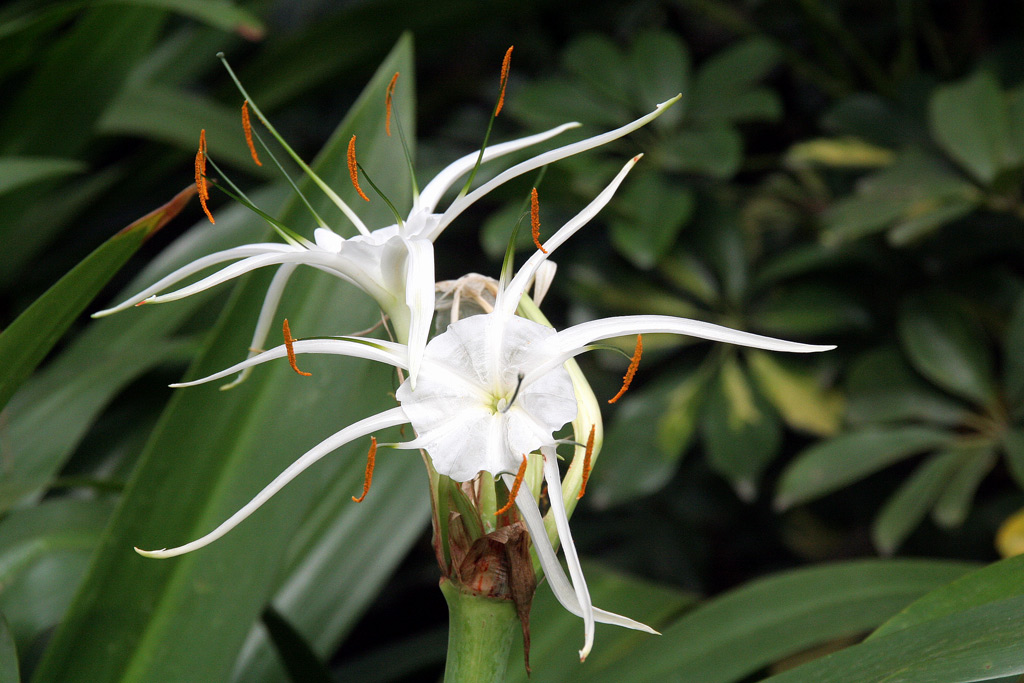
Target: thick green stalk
column 480, row 632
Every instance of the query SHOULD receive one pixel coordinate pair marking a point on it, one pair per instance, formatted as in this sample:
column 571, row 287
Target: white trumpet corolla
column 393, row 264
column 492, row 388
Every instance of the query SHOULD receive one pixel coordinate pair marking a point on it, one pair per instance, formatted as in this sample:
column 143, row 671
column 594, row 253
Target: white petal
column 371, row 349
column 198, row 265
column 388, row 418
column 460, row 204
column 328, row 240
column 579, row 583
column 436, row 188
column 542, row 280
column 586, row 333
column 508, row 299
column 560, row 586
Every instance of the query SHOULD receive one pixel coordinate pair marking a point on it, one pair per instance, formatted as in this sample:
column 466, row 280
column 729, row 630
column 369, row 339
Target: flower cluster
column 489, row 393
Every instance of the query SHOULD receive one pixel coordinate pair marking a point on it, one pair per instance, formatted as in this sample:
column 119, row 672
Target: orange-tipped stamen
column 201, row 188
column 634, row 363
column 389, row 93
column 515, row 488
column 504, row 79
column 353, row 168
column 371, row 459
column 535, row 219
column 247, row 127
column 586, row 462
column 288, row 341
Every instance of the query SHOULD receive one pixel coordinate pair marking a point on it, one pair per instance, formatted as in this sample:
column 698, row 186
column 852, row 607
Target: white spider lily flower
column 393, row 264
column 492, row 388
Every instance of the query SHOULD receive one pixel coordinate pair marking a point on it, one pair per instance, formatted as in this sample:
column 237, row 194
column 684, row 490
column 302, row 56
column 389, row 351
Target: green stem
column 480, row 633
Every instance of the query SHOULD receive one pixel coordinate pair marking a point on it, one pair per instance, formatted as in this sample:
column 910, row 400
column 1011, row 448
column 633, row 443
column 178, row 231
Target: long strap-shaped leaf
column 185, row 619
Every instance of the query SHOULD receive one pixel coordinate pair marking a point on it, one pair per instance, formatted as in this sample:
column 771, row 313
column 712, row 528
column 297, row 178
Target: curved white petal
column 587, row 333
column 460, row 204
column 375, row 349
column 508, row 299
column 198, row 265
column 339, row 264
column 560, row 586
column 417, row 277
column 543, row 279
column 388, row 418
column 266, row 318
column 436, row 188
column 579, row 583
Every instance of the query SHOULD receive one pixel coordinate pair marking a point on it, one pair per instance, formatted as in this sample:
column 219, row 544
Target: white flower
column 493, row 388
column 393, row 264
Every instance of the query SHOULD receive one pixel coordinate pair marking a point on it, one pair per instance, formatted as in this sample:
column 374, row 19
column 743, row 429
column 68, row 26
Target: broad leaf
column 30, row 337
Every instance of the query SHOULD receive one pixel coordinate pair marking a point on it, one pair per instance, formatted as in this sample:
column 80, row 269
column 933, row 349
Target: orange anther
column 586, row 462
column 371, row 458
column 387, row 103
column 288, row 341
column 201, row 187
column 535, row 219
column 504, row 78
column 247, row 127
column 353, row 168
column 631, row 370
column 515, row 488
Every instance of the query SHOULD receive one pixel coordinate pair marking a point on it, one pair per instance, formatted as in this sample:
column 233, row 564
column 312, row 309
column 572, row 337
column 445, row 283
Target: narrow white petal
column 581, row 335
column 542, row 280
column 508, row 299
column 338, row 264
column 388, row 418
column 554, row 481
column 378, row 350
column 196, row 266
column 436, row 188
column 460, row 204
column 560, row 586
column 419, row 297
column 266, row 317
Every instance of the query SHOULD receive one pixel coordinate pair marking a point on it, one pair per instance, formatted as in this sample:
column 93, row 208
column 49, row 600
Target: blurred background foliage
column 836, row 172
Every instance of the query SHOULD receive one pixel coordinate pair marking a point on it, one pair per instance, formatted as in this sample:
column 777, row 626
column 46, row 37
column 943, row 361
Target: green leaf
column 741, row 432
column 833, row 464
column 714, row 150
column 137, row 619
column 734, row 635
column 16, row 172
column 798, row 396
column 838, row 153
column 8, row 655
column 174, row 116
column 216, row 13
column 917, row 191
column 905, row 510
column 651, row 431
column 948, row 347
column 596, row 61
column 983, row 586
column 338, row 563
column 725, row 86
column 802, row 310
column 555, row 632
column 301, row 662
column 969, row 120
column 660, row 68
column 976, row 461
column 44, row 552
column 654, row 211
column 27, row 340
column 974, row 645
column 881, row 387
